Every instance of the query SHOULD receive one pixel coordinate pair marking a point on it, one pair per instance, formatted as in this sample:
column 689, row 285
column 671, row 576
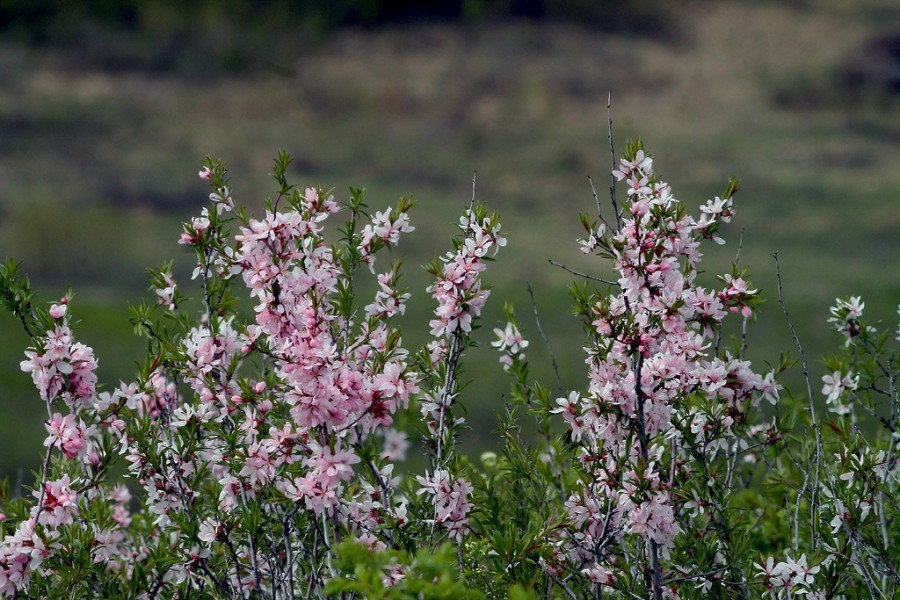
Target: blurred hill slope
column 99, row 151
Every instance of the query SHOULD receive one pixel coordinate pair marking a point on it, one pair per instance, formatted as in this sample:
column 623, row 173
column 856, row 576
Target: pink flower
column 509, row 339
column 67, row 434
column 58, row 311
column 258, row 467
column 58, row 505
column 836, row 384
column 330, row 467
column 210, row 531
column 395, row 445
column 451, row 501
column 61, row 368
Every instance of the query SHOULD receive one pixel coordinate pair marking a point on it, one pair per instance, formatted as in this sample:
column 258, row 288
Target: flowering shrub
column 255, row 453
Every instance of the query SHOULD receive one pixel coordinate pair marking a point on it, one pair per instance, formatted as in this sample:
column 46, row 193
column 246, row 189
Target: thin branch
column 597, row 200
column 537, row 321
column 562, row 583
column 737, row 257
column 696, row 576
column 585, row 275
column 743, row 338
column 814, row 484
column 612, row 159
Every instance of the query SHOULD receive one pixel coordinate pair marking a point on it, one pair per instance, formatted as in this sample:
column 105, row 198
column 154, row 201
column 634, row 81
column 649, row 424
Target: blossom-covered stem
column 385, row 490
column 45, row 476
column 452, row 364
column 642, row 434
column 45, row 469
column 207, row 295
column 813, row 482
column 446, row 396
column 642, row 440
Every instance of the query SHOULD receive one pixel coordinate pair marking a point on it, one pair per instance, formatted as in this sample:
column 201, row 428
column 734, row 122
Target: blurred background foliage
column 107, row 109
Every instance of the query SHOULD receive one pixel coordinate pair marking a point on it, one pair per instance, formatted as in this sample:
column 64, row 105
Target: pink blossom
column 258, row 467
column 395, row 446
column 451, row 501
column 66, row 433
column 61, row 368
column 330, row 466
column 58, row 503
column 58, row 311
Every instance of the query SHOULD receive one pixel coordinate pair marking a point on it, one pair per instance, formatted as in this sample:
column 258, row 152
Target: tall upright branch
column 811, row 480
column 612, row 160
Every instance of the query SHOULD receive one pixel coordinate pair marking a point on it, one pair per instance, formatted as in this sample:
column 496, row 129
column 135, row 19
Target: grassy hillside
column 98, row 164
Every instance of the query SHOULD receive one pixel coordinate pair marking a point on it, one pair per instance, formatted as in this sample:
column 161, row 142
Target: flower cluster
column 62, row 368
column 63, row 372
column 451, row 501
column 834, row 388
column 845, row 316
column 460, row 298
column 653, row 378
column 790, row 577
column 510, row 344
column 296, row 431
column 458, row 290
column 262, row 431
column 20, row 554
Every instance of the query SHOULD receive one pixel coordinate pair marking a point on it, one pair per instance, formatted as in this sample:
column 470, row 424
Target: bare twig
column 814, row 483
column 612, row 159
column 585, row 275
column 537, row 321
column 697, row 576
column 563, row 584
column 743, row 338
column 597, row 200
column 737, row 257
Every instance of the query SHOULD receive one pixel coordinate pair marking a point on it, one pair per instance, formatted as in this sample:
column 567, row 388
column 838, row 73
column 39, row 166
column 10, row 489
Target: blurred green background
column 107, row 109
